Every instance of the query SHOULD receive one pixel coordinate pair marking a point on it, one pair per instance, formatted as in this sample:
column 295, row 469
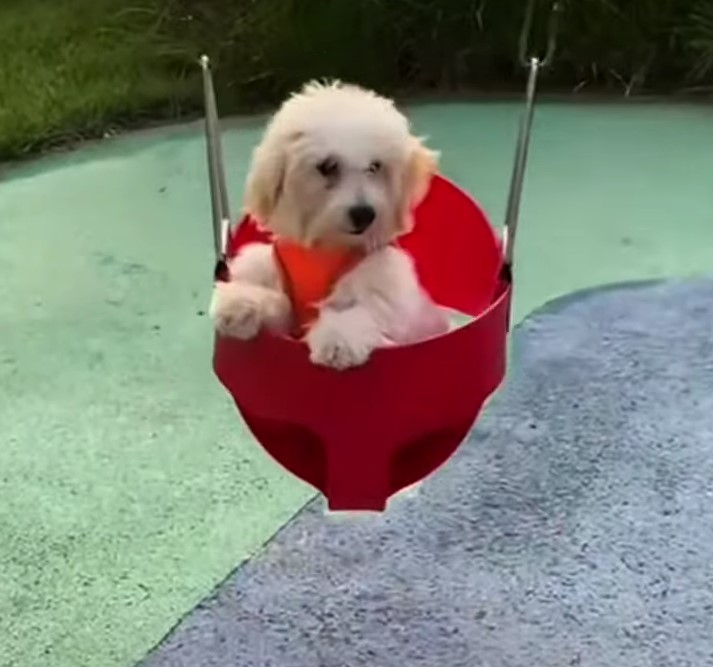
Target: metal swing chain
column 534, row 65
column 216, row 169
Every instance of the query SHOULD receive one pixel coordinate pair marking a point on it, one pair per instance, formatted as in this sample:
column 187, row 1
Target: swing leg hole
column 293, row 446
column 419, row 458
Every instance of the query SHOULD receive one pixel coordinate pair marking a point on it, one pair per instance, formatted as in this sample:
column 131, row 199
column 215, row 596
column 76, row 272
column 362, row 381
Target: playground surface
column 129, row 487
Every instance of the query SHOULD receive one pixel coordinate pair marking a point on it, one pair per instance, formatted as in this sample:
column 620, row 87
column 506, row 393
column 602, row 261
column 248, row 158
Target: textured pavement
column 573, row 528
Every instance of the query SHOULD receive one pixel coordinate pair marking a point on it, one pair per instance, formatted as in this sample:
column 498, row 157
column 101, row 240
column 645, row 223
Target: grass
column 77, row 68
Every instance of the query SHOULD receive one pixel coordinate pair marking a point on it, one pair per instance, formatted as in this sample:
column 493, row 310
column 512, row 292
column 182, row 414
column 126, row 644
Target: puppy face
column 338, row 166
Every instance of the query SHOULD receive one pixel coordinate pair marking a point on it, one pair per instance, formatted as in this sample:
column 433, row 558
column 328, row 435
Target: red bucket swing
column 362, row 435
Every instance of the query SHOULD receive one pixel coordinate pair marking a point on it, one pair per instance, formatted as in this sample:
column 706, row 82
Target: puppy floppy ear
column 422, row 166
column 265, row 180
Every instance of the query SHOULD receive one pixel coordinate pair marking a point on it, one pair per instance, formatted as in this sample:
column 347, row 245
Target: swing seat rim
column 503, row 293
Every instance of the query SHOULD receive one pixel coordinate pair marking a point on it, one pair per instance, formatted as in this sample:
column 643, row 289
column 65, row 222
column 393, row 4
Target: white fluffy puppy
column 337, row 168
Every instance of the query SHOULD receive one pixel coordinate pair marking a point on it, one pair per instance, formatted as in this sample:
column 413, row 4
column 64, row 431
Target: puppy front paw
column 235, row 311
column 334, row 344
column 240, row 311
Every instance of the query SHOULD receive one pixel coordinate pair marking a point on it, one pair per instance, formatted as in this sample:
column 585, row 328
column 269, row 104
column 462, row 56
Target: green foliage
column 699, row 38
column 268, row 47
column 75, row 67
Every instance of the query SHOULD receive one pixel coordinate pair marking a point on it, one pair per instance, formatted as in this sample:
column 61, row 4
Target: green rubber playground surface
column 128, row 487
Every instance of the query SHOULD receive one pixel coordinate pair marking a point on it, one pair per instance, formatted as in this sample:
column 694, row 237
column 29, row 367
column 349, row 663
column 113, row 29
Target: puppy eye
column 328, row 168
column 375, row 167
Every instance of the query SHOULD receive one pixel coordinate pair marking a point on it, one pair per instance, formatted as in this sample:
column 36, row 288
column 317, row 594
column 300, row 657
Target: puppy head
column 338, row 165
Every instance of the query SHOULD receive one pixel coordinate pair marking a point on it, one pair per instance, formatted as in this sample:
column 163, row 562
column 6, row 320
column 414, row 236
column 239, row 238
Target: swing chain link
column 533, row 64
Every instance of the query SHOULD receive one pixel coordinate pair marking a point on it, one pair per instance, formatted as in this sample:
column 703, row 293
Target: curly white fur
column 328, row 149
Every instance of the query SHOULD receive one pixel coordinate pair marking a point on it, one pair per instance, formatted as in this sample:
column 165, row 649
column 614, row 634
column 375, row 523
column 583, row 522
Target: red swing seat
column 361, row 435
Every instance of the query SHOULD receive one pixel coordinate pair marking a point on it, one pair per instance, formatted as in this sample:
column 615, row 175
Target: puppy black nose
column 361, row 216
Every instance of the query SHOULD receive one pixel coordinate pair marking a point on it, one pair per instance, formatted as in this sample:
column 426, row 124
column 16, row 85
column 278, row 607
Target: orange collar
column 309, row 276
